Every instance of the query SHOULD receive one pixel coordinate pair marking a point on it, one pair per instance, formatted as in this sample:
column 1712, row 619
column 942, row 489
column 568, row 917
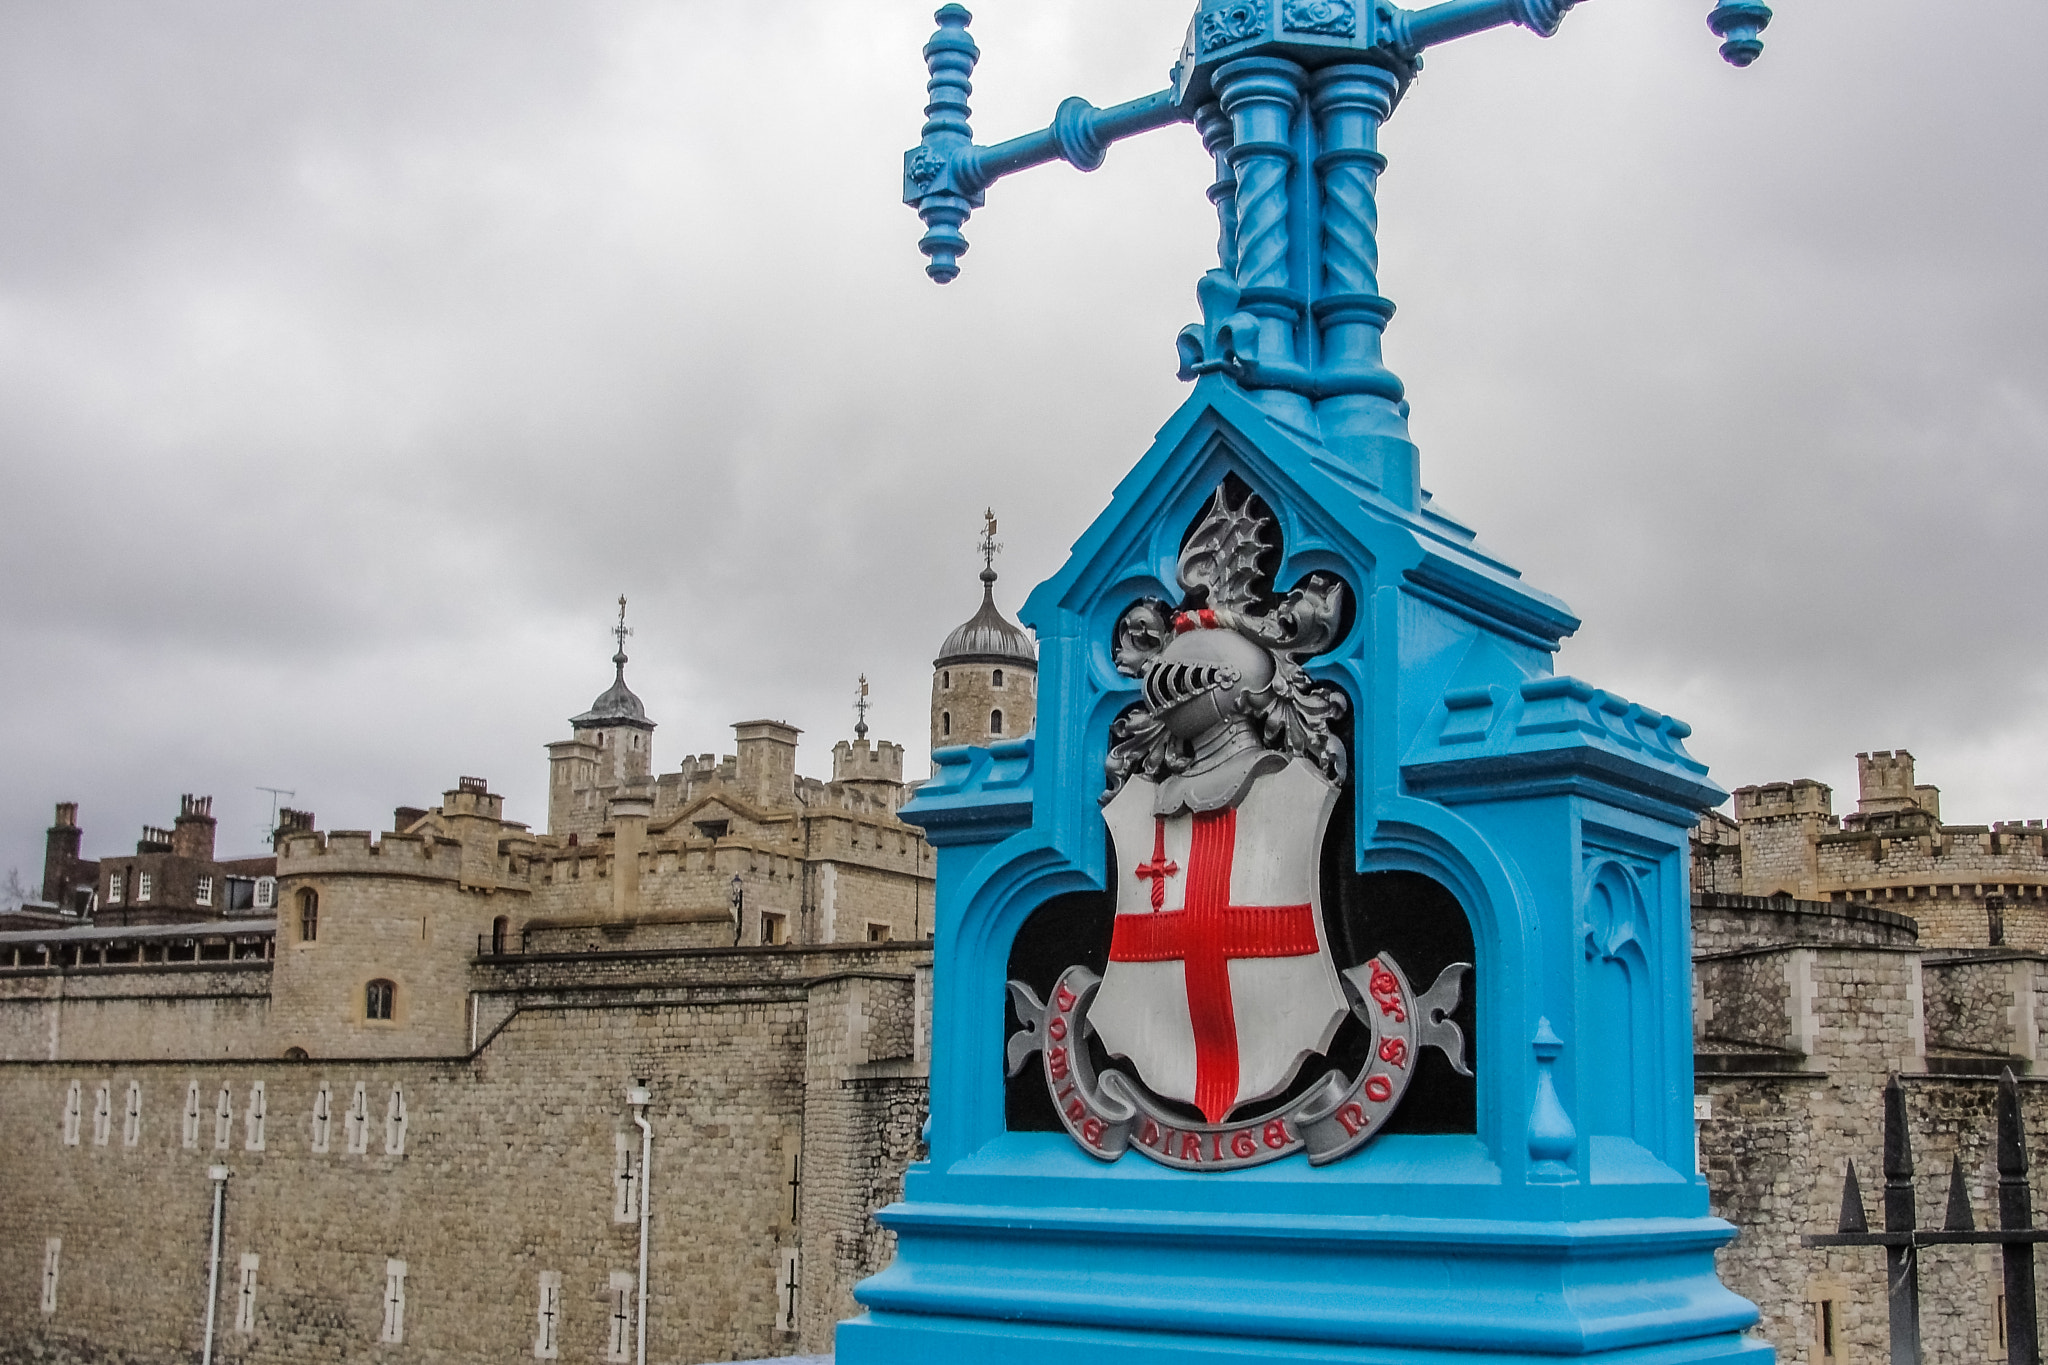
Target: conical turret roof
column 988, row 636
column 616, row 705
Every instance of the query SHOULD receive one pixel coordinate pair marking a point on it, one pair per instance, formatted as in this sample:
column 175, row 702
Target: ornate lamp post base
column 1299, row 744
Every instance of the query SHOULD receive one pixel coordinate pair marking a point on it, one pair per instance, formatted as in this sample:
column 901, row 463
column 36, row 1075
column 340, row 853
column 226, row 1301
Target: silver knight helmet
column 1226, row 699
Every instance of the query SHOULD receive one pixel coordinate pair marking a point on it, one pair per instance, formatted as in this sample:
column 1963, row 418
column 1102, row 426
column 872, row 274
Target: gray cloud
column 353, row 358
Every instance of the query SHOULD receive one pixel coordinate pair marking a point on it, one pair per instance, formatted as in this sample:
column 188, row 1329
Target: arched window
column 309, row 914
column 499, row 927
column 945, row 722
column 997, row 680
column 946, row 679
column 377, row 999
column 995, row 722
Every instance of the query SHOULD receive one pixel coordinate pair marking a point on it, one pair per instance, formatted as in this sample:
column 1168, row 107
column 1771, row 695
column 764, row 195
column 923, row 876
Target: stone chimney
column 192, row 834
column 475, row 816
column 767, row 762
column 630, row 811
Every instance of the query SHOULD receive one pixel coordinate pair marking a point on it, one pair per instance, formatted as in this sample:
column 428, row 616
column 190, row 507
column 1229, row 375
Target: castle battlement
column 856, row 761
column 1967, row 886
column 332, row 852
column 1778, row 800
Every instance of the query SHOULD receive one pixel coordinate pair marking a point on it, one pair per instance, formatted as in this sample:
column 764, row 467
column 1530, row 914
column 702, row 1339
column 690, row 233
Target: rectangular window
column 323, row 1119
column 113, row 888
column 547, row 1331
column 204, row 895
column 786, row 1285
column 625, row 1178
column 1999, row 1310
column 792, row 1178
column 358, row 1121
column 394, row 1302
column 52, row 1251
column 394, row 1124
column 259, row 1106
column 878, row 933
column 224, row 1119
column 1824, row 1328
column 74, row 1105
column 102, row 1114
column 619, row 1326
column 266, row 892
column 131, row 1126
column 145, row 884
column 774, row 928
column 192, row 1116
column 245, row 1296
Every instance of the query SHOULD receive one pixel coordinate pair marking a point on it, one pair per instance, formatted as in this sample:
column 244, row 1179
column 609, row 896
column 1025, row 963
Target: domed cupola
column 985, row 678
column 616, row 706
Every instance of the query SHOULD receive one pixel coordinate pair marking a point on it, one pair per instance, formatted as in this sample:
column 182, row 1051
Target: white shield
column 1220, row 980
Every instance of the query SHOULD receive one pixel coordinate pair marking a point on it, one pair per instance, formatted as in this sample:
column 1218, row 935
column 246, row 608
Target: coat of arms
column 1221, row 983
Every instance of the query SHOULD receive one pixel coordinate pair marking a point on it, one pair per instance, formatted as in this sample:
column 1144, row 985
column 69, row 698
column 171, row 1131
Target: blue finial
column 1738, row 23
column 950, row 57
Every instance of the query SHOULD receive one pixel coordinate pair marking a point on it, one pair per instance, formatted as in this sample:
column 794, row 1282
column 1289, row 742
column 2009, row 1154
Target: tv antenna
column 270, row 833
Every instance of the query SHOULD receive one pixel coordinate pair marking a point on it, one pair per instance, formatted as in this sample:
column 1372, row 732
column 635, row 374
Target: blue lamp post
column 1298, row 736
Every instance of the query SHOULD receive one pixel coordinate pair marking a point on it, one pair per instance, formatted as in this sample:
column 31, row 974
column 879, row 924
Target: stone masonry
column 482, row 1171
column 1964, row 884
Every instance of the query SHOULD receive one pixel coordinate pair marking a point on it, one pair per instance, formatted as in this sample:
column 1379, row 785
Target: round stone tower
column 985, row 680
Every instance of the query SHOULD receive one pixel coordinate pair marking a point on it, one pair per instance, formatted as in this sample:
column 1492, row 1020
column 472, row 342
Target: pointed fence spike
column 1898, row 1161
column 2012, row 1133
column 1898, row 1146
column 1959, row 1217
column 1852, row 1219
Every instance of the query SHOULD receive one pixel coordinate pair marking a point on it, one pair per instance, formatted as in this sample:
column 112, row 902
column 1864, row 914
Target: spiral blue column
column 1359, row 397
column 1260, row 95
column 1214, row 126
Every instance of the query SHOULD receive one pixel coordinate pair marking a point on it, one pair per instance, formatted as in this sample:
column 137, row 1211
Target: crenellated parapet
column 341, row 852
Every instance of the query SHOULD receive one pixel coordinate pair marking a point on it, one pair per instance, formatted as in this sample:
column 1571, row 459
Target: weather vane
column 989, row 546
column 621, row 630
column 860, row 709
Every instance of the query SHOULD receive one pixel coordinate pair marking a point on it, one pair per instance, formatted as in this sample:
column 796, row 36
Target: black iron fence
column 2015, row 1234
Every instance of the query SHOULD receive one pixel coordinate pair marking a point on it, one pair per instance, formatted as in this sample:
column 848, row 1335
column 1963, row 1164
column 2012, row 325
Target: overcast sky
column 355, row 357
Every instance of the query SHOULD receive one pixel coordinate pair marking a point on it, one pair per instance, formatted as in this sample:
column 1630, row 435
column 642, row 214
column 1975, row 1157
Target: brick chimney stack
column 192, row 834
column 60, row 854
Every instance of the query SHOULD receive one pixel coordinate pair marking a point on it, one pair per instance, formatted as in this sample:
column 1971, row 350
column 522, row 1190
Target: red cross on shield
column 1220, row 981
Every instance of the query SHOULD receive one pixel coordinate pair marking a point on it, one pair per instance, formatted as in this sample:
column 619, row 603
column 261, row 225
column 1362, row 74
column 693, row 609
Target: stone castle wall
column 488, row 1170
column 136, row 1012
column 1804, row 1010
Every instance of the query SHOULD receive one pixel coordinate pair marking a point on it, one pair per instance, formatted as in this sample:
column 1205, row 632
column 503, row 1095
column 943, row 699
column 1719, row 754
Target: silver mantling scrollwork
column 1225, row 697
column 1107, row 1114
